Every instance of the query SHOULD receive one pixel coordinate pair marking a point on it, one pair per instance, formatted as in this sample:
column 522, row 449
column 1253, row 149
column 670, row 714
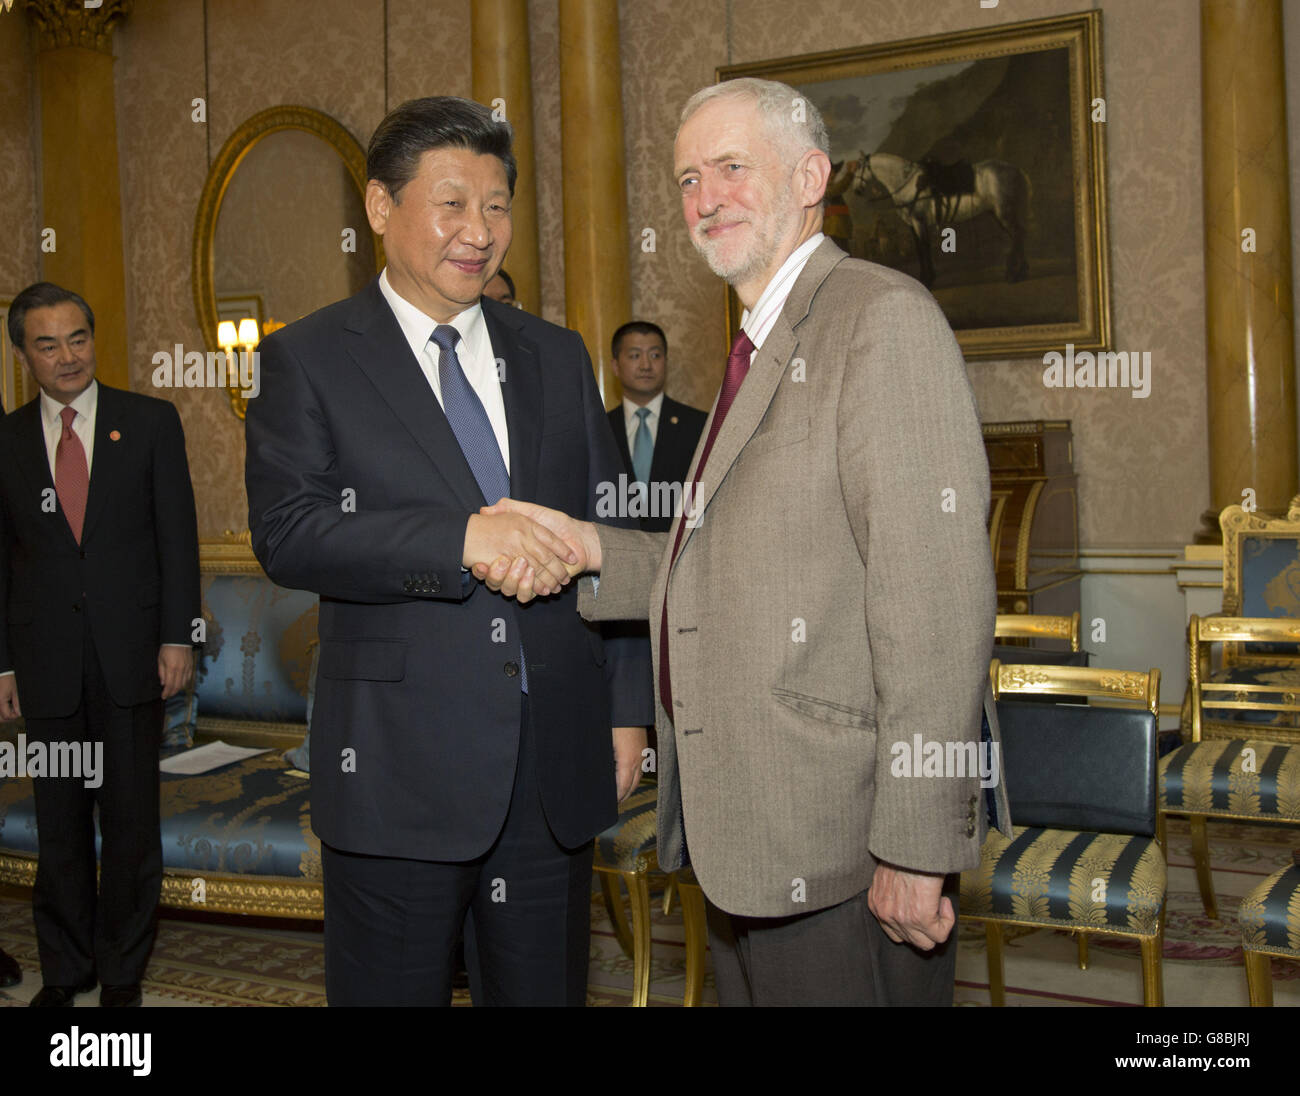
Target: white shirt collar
column 758, row 323
column 417, row 326
column 630, row 409
column 84, row 404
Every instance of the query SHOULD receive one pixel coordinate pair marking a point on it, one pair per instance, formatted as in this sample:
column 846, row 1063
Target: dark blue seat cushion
column 250, row 818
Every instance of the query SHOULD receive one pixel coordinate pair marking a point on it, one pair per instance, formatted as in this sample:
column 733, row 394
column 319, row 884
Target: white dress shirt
column 473, row 350
column 631, row 423
column 759, row 323
column 85, row 405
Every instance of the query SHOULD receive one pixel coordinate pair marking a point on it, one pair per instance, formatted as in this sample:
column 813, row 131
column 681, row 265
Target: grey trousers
column 834, row 956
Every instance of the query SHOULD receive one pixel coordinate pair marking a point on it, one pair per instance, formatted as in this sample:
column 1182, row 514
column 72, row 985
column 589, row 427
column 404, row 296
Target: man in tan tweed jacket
column 827, row 600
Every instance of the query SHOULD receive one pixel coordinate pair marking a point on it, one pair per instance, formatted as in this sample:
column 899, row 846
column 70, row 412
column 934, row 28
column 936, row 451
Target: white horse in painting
column 1000, row 188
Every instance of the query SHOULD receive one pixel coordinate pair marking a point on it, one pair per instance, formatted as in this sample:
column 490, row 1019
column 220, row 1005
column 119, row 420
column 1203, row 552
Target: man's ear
column 812, row 174
column 378, row 202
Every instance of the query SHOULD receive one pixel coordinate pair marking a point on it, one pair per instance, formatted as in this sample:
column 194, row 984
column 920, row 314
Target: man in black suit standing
column 656, row 436
column 464, row 740
column 99, row 584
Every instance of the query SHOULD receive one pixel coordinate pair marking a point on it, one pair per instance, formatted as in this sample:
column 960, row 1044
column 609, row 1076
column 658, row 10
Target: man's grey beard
column 752, row 264
column 765, row 245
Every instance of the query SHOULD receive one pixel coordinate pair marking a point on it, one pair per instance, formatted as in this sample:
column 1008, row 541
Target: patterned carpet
column 231, row 962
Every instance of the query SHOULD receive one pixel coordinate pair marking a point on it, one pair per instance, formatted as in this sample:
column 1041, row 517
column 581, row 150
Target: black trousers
column 82, row 933
column 391, row 925
column 834, row 956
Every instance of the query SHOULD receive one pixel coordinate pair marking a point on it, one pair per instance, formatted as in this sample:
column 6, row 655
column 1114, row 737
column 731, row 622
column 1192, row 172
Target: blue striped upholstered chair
column 1081, row 785
column 1245, row 770
column 626, row 853
column 1270, row 927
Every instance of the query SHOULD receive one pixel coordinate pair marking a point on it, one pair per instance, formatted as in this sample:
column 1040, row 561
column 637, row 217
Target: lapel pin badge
column 673, row 420
column 115, row 435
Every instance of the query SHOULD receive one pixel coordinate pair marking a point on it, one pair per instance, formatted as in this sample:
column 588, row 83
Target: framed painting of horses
column 974, row 162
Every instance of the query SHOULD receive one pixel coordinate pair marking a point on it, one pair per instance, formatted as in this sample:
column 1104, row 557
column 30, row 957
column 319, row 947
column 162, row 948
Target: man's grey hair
column 792, row 118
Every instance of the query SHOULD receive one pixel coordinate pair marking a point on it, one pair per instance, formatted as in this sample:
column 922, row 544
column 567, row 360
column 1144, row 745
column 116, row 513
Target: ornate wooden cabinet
column 1033, row 516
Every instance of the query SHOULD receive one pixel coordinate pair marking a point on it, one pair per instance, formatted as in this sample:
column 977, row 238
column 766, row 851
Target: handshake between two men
column 525, row 550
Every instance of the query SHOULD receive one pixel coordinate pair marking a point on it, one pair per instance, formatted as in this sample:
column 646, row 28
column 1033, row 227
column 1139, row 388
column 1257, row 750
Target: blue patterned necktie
column 643, row 447
column 473, row 430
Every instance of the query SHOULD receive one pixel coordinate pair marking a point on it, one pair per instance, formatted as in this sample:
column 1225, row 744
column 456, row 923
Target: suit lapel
column 109, row 455
column 35, row 460
column 618, row 424
column 380, row 350
column 521, row 390
column 667, row 442
column 760, row 384
column 32, row 454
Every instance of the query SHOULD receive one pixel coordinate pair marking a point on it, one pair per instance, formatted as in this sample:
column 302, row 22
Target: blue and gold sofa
column 237, row 839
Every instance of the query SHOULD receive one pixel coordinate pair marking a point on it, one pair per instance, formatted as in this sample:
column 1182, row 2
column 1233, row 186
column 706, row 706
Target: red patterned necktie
column 71, row 477
column 737, row 367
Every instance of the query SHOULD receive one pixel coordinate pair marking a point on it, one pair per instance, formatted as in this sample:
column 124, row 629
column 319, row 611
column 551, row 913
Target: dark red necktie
column 737, row 367
column 71, row 476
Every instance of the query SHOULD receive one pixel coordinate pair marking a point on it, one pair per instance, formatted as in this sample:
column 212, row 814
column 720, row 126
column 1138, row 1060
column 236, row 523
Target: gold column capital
column 61, row 23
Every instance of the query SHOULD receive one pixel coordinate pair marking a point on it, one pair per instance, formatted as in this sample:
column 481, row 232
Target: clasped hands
column 524, row 550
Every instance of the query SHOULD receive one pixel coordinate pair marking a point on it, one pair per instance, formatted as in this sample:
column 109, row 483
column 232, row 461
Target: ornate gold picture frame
column 975, row 162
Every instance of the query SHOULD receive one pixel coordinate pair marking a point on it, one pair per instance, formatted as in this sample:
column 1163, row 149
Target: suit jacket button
column 512, row 669
column 970, row 829
column 435, row 586
column 76, row 608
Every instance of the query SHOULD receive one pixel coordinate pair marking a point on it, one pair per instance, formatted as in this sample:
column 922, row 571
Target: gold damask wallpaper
column 1142, row 463
column 19, row 262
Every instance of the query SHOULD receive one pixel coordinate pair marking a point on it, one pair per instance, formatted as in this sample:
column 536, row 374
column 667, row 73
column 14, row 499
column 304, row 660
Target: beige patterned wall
column 1142, row 463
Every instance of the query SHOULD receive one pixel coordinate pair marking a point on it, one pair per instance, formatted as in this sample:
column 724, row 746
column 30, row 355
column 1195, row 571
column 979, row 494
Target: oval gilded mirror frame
column 238, row 145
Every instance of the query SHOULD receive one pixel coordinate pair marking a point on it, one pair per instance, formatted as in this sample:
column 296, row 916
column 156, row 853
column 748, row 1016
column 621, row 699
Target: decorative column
column 595, row 178
column 503, row 71
column 1250, row 370
column 81, row 197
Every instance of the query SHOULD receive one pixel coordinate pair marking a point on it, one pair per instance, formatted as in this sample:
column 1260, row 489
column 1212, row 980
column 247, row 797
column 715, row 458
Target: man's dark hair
column 42, row 295
column 439, row 121
column 638, row 327
column 510, row 282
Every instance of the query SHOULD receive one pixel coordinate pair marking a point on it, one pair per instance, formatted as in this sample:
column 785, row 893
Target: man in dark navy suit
column 99, row 585
column 656, row 436
column 464, row 740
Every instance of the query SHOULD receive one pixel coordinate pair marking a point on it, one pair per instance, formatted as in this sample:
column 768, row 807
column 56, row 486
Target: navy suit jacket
column 680, row 427
column 133, row 581
column 359, row 491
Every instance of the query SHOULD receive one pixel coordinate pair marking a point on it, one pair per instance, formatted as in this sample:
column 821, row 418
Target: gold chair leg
column 669, row 889
column 697, row 938
column 1083, row 950
column 1259, row 978
column 638, row 889
column 1153, row 981
column 993, row 944
column 1201, row 857
column 614, row 907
